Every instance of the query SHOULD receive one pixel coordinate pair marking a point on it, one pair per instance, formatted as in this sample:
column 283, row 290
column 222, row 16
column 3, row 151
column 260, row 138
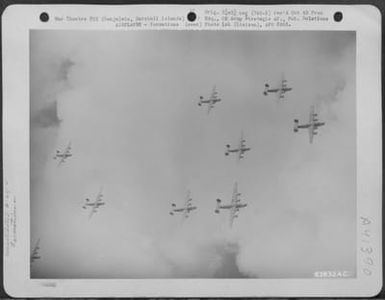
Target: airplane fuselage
column 282, row 90
column 212, row 101
column 229, row 206
column 63, row 155
column 313, row 125
column 239, row 150
column 188, row 209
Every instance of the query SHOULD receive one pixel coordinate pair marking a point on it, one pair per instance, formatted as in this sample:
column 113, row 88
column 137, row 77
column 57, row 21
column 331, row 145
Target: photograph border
column 138, row 290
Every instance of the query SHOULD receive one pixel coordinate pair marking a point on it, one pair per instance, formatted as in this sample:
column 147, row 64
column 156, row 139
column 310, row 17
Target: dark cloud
column 64, row 69
column 46, row 117
column 229, row 267
column 331, row 97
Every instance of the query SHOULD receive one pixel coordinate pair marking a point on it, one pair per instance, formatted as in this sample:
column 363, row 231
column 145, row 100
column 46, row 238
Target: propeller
column 218, row 206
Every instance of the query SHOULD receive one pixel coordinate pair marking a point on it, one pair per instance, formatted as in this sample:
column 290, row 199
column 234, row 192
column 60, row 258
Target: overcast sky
column 128, row 103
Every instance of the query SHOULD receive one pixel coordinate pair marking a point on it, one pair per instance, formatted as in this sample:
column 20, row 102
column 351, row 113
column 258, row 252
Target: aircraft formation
column 239, row 151
column 235, row 204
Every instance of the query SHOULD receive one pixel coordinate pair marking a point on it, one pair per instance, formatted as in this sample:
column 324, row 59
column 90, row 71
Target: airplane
column 63, row 155
column 234, row 206
column 281, row 90
column 185, row 209
column 311, row 126
column 35, row 252
column 210, row 101
column 94, row 205
column 240, row 150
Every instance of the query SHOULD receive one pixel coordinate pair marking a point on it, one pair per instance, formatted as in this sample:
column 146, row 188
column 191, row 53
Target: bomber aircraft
column 311, row 126
column 62, row 156
column 186, row 209
column 234, row 206
column 94, row 206
column 35, row 252
column 211, row 100
column 240, row 150
column 280, row 90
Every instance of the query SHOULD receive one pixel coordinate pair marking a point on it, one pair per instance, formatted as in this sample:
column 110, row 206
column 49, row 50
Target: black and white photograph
column 192, row 154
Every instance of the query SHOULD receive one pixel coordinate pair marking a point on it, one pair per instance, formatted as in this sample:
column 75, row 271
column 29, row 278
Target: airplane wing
column 214, row 93
column 93, row 210
column 311, row 124
column 188, row 198
column 311, row 115
column 235, row 199
column 99, row 196
column 282, row 87
column 187, row 203
column 68, row 149
column 240, row 147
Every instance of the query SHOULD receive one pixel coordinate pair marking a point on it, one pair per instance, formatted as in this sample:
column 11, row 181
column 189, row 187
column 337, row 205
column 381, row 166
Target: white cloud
column 129, row 106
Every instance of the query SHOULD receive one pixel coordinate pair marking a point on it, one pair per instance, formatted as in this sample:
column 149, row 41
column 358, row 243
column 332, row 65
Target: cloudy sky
column 127, row 101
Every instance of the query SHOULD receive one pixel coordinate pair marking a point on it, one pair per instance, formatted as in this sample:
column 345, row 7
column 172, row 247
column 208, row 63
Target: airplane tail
column 217, row 209
column 295, row 125
column 200, row 100
column 227, row 149
column 266, row 88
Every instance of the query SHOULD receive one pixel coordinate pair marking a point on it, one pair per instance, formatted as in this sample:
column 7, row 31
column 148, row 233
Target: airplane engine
column 171, row 213
column 265, row 93
column 173, row 204
column 295, row 125
column 266, row 85
column 226, row 153
column 228, row 146
column 200, row 104
column 217, row 209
